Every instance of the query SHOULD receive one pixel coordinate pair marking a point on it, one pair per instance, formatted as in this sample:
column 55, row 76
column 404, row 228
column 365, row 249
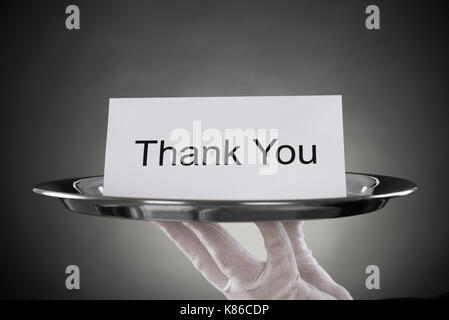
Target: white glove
column 290, row 272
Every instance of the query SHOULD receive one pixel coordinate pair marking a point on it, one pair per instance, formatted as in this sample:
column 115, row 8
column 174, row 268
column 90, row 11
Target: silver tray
column 365, row 193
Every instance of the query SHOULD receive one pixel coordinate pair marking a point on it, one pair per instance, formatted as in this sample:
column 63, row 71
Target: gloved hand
column 290, row 271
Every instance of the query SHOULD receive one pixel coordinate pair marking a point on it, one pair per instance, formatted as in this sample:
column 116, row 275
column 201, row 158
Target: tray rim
column 408, row 188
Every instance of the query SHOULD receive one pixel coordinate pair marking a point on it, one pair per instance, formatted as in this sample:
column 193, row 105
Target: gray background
column 55, row 86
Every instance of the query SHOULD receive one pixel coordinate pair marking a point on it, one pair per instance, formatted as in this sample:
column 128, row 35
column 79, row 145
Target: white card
column 225, row 148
